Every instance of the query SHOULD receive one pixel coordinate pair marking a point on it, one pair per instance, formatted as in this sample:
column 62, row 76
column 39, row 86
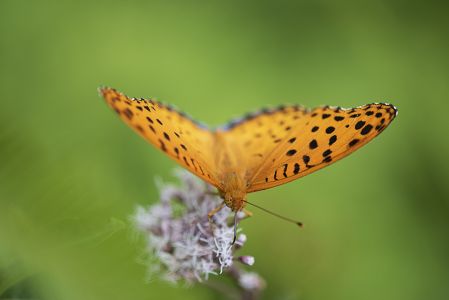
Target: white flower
column 179, row 234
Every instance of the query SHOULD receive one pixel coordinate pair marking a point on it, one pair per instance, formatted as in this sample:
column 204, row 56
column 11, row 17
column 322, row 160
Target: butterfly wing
column 254, row 138
column 296, row 142
column 172, row 132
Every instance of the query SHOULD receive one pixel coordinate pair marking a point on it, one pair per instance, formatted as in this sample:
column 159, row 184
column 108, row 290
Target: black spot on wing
column 166, row 136
column 296, row 169
column 285, row 170
column 359, row 124
column 366, row 129
column 353, row 142
column 313, row 144
column 327, row 152
column 306, row 159
column 327, row 159
column 339, row 118
column 128, row 113
column 291, row 152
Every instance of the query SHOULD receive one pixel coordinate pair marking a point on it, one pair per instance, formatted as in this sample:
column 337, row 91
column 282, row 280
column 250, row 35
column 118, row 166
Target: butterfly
column 259, row 151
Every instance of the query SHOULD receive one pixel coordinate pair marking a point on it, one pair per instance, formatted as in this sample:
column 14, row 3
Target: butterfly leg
column 214, row 211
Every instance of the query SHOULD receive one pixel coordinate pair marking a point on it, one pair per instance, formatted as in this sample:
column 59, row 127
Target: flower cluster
column 186, row 244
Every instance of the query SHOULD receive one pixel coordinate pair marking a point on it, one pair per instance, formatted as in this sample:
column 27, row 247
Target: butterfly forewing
column 319, row 138
column 170, row 131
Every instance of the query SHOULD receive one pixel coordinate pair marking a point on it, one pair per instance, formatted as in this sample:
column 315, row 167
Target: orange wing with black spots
column 254, row 138
column 260, row 151
column 179, row 137
column 316, row 139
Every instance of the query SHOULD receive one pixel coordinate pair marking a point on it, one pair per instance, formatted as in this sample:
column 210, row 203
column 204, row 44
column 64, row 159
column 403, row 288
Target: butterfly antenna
column 275, row 214
column 235, row 228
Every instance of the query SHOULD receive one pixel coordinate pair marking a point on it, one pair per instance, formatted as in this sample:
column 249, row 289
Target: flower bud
column 247, row 260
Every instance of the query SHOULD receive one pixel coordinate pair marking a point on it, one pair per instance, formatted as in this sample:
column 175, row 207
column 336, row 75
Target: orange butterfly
column 259, row 151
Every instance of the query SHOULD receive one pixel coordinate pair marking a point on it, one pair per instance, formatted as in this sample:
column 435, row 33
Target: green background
column 376, row 223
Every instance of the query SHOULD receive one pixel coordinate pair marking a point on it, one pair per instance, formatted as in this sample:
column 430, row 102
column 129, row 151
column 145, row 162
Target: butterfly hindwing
column 170, row 131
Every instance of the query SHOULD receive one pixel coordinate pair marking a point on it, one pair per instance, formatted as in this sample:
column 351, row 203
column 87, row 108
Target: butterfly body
column 232, row 177
column 233, row 190
column 260, row 151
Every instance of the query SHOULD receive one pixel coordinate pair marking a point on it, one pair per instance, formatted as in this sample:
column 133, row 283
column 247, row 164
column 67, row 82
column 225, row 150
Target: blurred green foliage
column 376, row 224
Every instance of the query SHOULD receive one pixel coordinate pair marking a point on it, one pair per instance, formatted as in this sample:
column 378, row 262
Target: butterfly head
column 235, row 201
column 234, row 191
